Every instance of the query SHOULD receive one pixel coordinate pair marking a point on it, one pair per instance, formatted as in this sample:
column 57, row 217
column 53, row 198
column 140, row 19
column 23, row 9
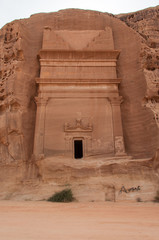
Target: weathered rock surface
column 138, row 67
column 94, row 180
column 146, row 24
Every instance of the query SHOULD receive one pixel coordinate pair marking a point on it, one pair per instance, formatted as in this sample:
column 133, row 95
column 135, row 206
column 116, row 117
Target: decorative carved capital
column 41, row 101
column 116, row 100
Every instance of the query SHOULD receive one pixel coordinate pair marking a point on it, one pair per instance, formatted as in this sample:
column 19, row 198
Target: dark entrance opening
column 78, row 149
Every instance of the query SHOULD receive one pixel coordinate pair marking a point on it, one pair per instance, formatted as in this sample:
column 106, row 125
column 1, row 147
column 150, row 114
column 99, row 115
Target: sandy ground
column 78, row 221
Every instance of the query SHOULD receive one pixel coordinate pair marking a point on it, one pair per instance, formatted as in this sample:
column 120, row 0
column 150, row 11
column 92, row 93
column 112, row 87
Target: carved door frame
column 84, row 147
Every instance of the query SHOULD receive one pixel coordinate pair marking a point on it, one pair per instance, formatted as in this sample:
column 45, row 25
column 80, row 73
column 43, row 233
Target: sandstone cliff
column 136, row 35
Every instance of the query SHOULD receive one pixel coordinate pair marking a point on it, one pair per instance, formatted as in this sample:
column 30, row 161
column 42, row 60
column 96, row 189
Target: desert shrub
column 62, row 196
column 156, row 199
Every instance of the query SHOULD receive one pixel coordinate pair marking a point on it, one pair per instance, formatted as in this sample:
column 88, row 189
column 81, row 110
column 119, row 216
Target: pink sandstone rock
column 63, row 78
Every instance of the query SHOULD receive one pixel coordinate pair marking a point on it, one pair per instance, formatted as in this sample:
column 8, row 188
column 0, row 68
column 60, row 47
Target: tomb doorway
column 78, row 149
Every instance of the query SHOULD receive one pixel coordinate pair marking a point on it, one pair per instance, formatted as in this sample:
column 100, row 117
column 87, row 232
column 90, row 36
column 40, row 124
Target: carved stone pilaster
column 68, row 142
column 40, row 127
column 117, row 125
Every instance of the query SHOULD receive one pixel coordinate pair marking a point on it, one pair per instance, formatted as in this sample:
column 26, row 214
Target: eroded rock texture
column 17, row 109
column 138, row 67
column 146, row 23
